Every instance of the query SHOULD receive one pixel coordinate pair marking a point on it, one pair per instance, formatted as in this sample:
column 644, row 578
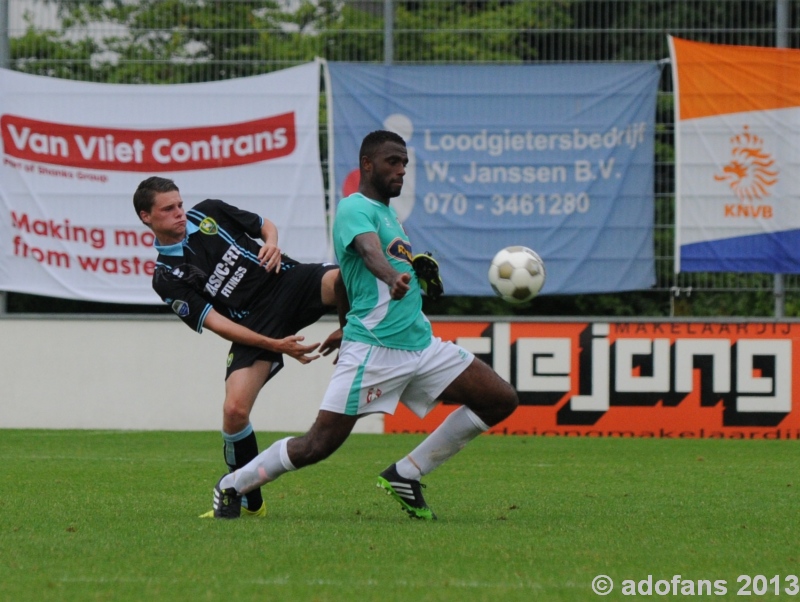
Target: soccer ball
column 517, row 274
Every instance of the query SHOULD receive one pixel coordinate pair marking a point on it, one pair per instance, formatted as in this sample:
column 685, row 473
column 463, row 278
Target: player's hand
column 400, row 286
column 332, row 343
column 293, row 347
column 427, row 270
column 269, row 256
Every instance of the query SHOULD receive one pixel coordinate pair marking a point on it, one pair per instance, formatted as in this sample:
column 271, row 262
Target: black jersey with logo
column 216, row 265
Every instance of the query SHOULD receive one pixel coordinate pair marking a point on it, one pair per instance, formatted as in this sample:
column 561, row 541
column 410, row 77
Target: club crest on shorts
column 230, row 359
column 208, row 226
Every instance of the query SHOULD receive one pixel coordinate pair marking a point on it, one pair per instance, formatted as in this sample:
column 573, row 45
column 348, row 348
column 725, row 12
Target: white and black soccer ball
column 517, row 274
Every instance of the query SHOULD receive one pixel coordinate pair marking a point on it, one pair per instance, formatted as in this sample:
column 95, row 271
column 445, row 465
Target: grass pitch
column 90, row 515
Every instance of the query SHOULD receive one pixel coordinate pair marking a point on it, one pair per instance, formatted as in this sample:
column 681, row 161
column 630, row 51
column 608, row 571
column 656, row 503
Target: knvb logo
column 751, row 172
column 750, row 375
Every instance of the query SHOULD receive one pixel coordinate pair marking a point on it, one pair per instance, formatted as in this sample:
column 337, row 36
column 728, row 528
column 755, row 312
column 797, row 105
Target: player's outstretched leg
column 326, row 435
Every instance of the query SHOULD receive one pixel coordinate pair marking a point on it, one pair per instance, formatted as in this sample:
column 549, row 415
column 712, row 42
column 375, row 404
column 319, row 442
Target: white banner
column 74, row 153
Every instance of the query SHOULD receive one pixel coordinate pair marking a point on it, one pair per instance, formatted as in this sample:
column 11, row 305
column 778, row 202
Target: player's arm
column 334, row 340
column 236, row 333
column 368, row 246
column 270, row 254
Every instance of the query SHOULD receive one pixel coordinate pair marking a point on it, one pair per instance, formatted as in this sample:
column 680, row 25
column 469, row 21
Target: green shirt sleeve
column 353, row 217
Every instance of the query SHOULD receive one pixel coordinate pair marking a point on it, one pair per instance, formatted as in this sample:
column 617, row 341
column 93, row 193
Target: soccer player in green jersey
column 388, row 354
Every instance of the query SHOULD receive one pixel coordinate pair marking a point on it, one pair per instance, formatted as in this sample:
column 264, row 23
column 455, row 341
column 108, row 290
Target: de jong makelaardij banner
column 74, row 153
column 558, row 158
column 737, row 118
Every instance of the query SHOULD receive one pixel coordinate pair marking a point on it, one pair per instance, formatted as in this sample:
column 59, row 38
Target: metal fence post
column 388, row 31
column 5, row 57
column 781, row 41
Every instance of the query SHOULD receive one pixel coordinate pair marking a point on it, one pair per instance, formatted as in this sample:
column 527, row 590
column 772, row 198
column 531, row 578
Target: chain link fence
column 170, row 41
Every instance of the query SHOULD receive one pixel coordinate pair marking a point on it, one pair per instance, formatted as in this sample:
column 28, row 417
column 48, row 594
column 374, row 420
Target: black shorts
column 296, row 302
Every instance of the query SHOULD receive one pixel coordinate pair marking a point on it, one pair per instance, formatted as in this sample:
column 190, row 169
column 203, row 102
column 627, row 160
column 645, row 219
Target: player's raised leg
column 487, row 400
column 324, row 437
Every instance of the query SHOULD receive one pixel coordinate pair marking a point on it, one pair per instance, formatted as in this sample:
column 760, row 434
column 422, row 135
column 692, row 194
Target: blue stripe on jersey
column 202, row 319
column 225, row 236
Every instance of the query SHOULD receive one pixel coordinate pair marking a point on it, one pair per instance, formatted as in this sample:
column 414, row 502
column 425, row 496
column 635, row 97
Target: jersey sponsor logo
column 400, row 249
column 181, row 308
column 209, row 226
column 223, row 270
column 235, row 279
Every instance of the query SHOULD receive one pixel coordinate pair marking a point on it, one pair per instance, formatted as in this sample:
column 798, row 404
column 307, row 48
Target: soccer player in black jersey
column 214, row 274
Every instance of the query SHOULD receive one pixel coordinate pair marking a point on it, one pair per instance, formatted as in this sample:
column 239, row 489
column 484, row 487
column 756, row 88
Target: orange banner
column 634, row 379
column 717, row 79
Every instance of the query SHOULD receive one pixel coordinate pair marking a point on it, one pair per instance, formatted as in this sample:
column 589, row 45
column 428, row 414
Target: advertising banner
column 558, row 158
column 737, row 116
column 636, row 379
column 73, row 154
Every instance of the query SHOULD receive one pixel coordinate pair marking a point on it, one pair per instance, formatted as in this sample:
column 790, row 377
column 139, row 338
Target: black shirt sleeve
column 173, row 285
column 236, row 219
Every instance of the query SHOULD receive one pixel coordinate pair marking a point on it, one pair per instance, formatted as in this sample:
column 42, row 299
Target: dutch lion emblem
column 751, row 172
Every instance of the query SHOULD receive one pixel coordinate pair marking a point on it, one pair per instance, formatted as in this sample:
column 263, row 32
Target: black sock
column 238, row 450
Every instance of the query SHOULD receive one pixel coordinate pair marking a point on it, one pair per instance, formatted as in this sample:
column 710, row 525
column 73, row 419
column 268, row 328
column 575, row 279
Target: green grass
column 90, row 515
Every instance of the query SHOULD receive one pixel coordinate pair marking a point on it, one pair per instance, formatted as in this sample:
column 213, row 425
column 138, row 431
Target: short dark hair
column 145, row 194
column 374, row 140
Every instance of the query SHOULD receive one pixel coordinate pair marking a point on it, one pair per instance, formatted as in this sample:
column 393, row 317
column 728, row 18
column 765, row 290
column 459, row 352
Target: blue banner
column 558, row 158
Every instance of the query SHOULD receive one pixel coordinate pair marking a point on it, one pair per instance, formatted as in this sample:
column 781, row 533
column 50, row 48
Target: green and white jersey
column 375, row 318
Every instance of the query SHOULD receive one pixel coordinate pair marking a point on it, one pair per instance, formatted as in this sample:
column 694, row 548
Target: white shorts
column 369, row 379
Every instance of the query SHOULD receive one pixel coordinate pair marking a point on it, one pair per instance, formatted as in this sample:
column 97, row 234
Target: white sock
column 265, row 467
column 458, row 429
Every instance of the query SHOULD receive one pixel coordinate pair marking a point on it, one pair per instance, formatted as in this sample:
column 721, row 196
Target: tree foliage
column 180, row 41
